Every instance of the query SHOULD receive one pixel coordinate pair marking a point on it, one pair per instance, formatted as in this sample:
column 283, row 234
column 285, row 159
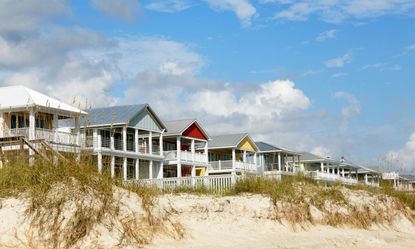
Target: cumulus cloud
column 123, row 9
column 349, row 111
column 340, row 10
column 340, row 61
column 243, row 9
column 168, row 6
column 403, row 159
column 329, row 34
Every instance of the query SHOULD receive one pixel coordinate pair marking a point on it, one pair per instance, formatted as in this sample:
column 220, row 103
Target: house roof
column 118, row 115
column 228, row 140
column 177, row 127
column 15, row 97
column 310, row 157
column 266, row 147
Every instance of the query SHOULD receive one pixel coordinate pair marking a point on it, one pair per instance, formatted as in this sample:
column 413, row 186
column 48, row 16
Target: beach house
column 233, row 154
column 29, row 122
column 126, row 140
column 185, row 147
column 276, row 159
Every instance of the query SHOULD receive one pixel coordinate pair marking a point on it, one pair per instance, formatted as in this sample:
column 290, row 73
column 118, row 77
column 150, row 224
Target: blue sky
column 332, row 77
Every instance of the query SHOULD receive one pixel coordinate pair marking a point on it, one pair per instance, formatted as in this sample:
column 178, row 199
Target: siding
column 145, row 121
column 247, row 145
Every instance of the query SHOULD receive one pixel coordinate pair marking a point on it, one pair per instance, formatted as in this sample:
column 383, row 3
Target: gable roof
column 228, row 141
column 266, row 147
column 14, row 97
column 118, row 115
column 177, row 127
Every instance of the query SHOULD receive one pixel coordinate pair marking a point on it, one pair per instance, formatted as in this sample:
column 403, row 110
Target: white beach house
column 30, row 118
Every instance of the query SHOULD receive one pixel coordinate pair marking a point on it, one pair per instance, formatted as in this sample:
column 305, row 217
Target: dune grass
column 91, row 197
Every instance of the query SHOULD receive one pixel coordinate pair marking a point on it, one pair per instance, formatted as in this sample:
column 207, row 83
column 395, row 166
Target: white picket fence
column 215, row 184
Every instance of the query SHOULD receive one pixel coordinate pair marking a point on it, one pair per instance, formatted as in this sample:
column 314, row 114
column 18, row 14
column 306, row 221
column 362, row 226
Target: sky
column 332, row 77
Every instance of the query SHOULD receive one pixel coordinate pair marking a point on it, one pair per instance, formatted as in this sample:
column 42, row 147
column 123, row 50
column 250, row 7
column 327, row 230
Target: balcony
column 186, row 157
column 334, row 178
column 227, row 165
column 57, row 137
column 143, row 147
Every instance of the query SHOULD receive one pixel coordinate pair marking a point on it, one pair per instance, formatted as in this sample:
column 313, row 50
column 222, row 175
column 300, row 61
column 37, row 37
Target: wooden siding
column 194, row 132
column 145, row 121
column 247, row 145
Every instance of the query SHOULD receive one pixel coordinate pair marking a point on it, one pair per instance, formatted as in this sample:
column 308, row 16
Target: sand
column 220, row 222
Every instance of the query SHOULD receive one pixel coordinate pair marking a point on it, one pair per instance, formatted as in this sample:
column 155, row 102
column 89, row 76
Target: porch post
column 150, row 142
column 206, row 151
column 366, row 181
column 112, row 166
column 136, row 141
column 161, row 145
column 1, row 124
column 99, row 140
column 124, row 168
column 338, row 170
column 99, row 159
column 279, row 161
column 111, row 139
column 150, row 169
column 343, row 172
column 137, row 166
column 124, row 138
column 233, row 162
column 192, row 149
column 95, row 138
column 322, row 167
column 55, row 127
column 161, row 170
column 179, row 163
column 77, row 130
column 244, row 156
column 32, row 124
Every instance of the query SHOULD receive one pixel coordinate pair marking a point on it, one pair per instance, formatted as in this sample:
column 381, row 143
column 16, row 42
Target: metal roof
column 177, row 127
column 228, row 140
column 114, row 114
column 266, row 147
column 14, row 97
column 310, row 157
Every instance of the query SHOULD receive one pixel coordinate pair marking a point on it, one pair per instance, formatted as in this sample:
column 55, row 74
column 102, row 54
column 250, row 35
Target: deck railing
column 227, row 165
column 215, row 184
column 58, row 137
column 185, row 156
column 334, row 178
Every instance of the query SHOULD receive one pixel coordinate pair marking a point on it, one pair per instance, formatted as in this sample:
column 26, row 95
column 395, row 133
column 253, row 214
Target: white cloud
column 123, row 9
column 382, row 67
column 338, row 75
column 243, row 9
column 340, row 61
column 321, row 151
column 336, row 11
column 349, row 111
column 403, row 159
column 329, row 34
column 168, row 6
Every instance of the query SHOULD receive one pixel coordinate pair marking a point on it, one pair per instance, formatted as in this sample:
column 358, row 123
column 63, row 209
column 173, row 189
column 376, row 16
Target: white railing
column 216, row 184
column 220, row 165
column 249, row 167
column 227, row 164
column 372, row 184
column 185, row 156
column 334, row 178
column 59, row 137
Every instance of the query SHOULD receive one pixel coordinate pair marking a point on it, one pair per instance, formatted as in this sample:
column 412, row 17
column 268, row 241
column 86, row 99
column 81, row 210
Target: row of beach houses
column 133, row 143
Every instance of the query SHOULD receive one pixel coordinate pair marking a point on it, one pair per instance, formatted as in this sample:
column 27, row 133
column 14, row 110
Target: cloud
column 382, row 67
column 243, row 9
column 168, row 6
column 329, row 34
column 321, row 151
column 19, row 19
column 340, row 10
column 403, row 159
column 338, row 75
column 122, row 9
column 340, row 61
column 349, row 111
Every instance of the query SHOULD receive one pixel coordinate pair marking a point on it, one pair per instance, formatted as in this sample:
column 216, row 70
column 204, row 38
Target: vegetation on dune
column 93, row 198
column 90, row 197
